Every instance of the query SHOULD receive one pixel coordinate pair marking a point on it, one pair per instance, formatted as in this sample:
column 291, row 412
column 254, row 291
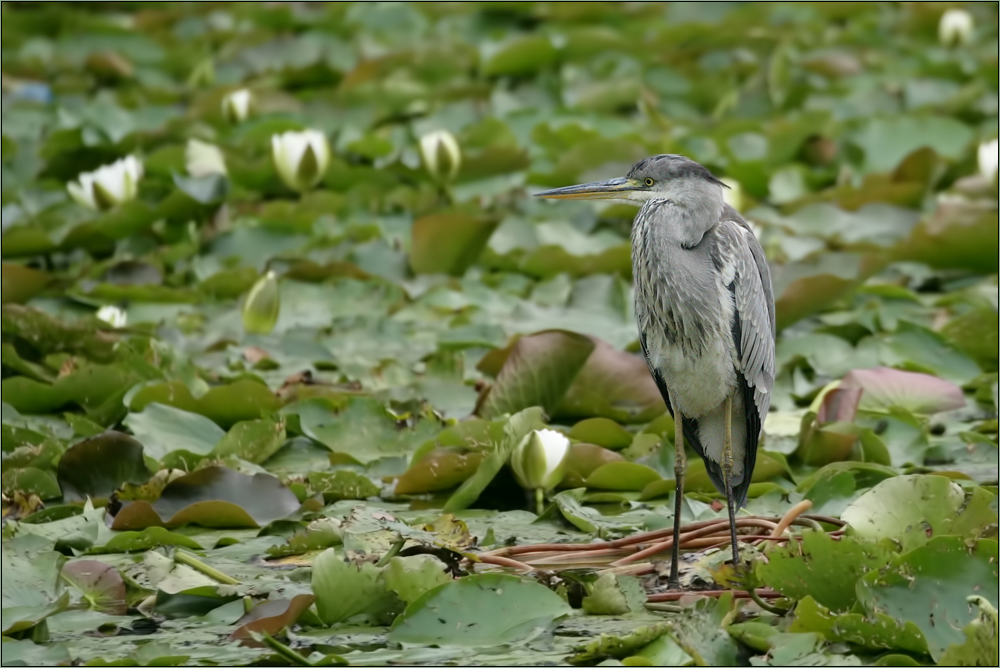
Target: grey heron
column 705, row 312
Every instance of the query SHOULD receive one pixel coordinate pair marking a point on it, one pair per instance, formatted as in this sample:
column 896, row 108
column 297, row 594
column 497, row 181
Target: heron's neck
column 680, row 221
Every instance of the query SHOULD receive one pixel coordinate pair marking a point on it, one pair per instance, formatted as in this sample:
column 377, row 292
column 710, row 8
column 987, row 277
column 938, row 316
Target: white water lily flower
column 989, row 155
column 441, row 155
column 107, row 186
column 301, row 158
column 112, row 315
column 236, row 105
column 955, row 27
column 539, row 460
column 202, row 159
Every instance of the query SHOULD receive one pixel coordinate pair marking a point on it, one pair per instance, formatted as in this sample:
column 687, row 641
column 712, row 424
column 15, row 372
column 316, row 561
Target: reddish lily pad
column 271, row 617
column 99, row 583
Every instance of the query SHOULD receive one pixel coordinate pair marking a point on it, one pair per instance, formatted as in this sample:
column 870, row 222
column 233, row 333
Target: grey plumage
column 705, row 312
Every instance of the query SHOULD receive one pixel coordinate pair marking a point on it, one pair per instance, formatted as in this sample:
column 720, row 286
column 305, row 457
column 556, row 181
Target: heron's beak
column 610, row 189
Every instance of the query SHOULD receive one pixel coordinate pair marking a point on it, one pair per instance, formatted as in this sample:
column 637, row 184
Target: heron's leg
column 727, row 474
column 680, row 464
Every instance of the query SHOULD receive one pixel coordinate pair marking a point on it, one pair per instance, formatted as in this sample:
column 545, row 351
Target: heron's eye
column 648, row 181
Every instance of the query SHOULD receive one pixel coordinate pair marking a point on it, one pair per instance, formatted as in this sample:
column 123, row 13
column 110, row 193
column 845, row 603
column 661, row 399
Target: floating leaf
column 271, row 617
column 439, row 469
column 410, row 577
column 448, row 243
column 929, row 585
column 344, row 590
column 99, row 583
column 516, row 610
column 538, row 371
column 99, row 465
column 164, row 429
column 601, row 431
column 913, row 509
column 252, row 440
column 622, row 476
column 212, row 497
column 615, row 595
column 823, row 568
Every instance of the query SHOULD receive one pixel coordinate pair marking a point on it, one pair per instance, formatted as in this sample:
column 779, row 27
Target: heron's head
column 666, row 177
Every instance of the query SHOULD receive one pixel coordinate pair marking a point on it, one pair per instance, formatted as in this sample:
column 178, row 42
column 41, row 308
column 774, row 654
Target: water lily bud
column 202, row 159
column 441, row 155
column 989, row 153
column 107, row 186
column 539, row 460
column 262, row 305
column 301, row 158
column 955, row 27
column 236, row 105
column 112, row 315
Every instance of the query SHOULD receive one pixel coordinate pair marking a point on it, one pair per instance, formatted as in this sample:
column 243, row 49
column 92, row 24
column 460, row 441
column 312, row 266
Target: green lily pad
column 251, row 440
column 164, row 429
column 700, row 630
column 980, row 646
column 29, row 480
column 872, row 631
column 448, row 243
column 822, row 567
column 225, row 405
column 622, row 476
column 603, row 432
column 360, row 432
column 439, row 469
column 97, row 466
column 929, row 585
column 21, row 283
column 479, row 611
column 582, row 460
column 411, row 576
column 342, row 485
column 913, row 509
column 344, row 590
column 615, row 595
column 610, row 645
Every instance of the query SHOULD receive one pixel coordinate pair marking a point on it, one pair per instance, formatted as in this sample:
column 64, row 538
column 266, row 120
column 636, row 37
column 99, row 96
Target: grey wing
column 755, row 311
column 753, row 331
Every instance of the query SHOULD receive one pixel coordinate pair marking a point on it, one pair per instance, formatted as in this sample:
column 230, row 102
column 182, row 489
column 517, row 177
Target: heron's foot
column 674, row 583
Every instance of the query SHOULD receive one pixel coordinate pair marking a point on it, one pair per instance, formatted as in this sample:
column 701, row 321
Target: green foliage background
column 850, row 136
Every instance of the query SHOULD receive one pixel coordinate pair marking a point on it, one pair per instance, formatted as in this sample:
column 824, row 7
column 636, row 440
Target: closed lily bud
column 262, row 305
column 202, row 159
column 236, row 105
column 539, row 460
column 989, row 154
column 112, row 315
column 107, row 186
column 955, row 27
column 301, row 158
column 441, row 155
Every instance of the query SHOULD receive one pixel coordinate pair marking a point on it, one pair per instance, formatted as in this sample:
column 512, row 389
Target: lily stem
column 284, row 650
column 188, row 559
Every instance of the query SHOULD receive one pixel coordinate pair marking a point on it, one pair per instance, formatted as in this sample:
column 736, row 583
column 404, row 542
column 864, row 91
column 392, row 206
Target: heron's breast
column 698, row 382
